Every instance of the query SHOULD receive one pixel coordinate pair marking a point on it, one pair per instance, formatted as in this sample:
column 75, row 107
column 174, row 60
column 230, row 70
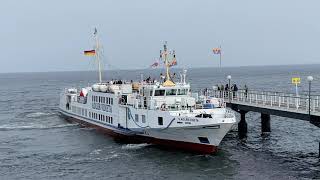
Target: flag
column 173, row 63
column 95, row 31
column 216, row 50
column 90, row 53
column 154, row 65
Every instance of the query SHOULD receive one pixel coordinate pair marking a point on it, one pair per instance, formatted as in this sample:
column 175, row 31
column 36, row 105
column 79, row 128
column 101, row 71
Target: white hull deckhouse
column 163, row 113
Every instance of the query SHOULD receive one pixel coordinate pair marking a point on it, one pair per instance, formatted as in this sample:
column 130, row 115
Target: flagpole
column 97, row 55
column 220, row 55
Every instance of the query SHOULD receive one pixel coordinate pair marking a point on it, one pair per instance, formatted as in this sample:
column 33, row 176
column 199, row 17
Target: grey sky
column 43, row 35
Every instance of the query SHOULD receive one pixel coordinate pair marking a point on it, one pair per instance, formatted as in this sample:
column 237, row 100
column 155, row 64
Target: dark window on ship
column 111, row 101
column 182, row 91
column 204, row 140
column 111, row 119
column 160, row 121
column 171, row 92
column 143, row 118
column 159, row 92
column 136, row 118
column 151, row 93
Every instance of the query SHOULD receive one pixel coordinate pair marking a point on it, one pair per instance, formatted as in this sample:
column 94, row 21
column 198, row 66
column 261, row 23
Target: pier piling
column 265, row 123
column 242, row 125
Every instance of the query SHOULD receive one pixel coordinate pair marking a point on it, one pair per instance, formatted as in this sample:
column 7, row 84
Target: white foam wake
column 38, row 114
column 134, row 146
column 8, row 127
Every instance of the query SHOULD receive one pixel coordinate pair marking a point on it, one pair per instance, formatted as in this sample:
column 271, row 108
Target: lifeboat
column 96, row 87
column 103, row 88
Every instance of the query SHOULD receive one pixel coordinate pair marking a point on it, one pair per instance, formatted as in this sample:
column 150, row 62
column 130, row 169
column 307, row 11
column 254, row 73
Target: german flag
column 90, row 53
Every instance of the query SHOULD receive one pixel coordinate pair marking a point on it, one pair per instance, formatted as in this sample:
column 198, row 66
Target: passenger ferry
column 163, row 113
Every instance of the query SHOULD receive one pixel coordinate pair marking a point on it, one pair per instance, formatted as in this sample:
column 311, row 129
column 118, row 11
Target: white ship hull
column 178, row 130
column 181, row 138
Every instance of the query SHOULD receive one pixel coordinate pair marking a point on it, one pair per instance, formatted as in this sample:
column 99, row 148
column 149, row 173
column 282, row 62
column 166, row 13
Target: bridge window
column 171, row 92
column 159, row 92
column 182, row 91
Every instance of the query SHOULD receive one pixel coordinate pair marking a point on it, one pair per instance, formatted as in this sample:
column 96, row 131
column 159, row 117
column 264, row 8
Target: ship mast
column 168, row 81
column 97, row 54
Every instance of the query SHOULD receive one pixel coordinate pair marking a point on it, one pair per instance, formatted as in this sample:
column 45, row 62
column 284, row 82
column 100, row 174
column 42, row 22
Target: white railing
column 270, row 99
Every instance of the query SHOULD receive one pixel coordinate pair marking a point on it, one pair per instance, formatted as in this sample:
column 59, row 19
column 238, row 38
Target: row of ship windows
column 101, row 117
column 84, row 112
column 101, row 99
column 143, row 119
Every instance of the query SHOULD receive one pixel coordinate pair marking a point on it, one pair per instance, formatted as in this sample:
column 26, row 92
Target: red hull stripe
column 187, row 146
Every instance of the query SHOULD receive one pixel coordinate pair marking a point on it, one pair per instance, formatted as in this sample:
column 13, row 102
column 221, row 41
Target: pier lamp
column 310, row 79
column 229, row 87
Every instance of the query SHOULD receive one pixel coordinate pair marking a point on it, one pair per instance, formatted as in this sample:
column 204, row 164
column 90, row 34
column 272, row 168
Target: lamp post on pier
column 310, row 79
column 229, row 87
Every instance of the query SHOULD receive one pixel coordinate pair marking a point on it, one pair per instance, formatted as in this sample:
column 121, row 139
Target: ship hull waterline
column 135, row 139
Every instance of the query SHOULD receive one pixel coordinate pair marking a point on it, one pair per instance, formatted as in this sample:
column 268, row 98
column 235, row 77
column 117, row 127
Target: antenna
column 184, row 76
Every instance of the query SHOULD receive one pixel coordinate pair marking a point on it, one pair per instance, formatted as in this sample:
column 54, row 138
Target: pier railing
column 270, row 99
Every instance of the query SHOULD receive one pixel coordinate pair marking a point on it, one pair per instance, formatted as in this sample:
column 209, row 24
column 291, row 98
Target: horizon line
column 135, row 69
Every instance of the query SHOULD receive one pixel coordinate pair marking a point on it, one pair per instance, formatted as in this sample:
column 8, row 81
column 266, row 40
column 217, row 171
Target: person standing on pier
column 227, row 90
column 221, row 91
column 246, row 91
column 234, row 89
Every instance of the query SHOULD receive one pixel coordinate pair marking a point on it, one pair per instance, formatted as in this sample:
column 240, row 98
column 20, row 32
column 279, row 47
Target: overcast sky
column 43, row 35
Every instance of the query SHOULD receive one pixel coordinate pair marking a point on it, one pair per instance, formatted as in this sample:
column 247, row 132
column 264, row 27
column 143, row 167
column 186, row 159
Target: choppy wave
column 38, row 114
column 9, row 127
column 96, row 151
column 134, row 146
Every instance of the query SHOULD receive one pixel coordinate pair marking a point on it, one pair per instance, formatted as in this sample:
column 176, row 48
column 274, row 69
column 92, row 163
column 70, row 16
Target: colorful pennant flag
column 173, row 63
column 154, row 65
column 216, row 51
